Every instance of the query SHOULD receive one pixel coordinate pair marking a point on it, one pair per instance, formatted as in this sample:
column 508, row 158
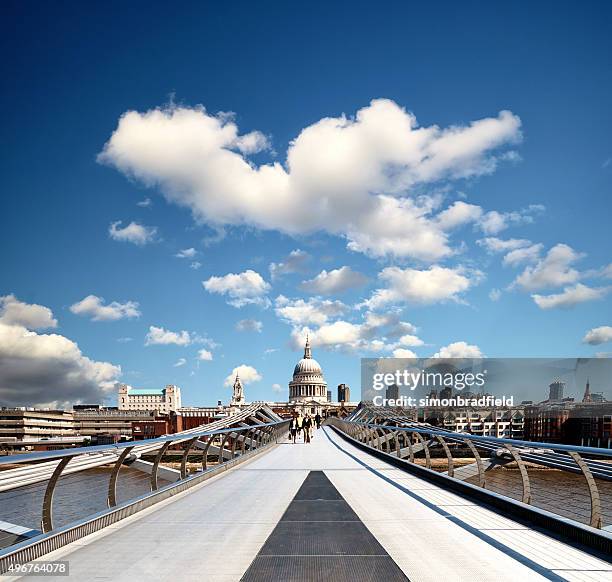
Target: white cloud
column 428, row 286
column 404, row 353
column 144, row 203
column 277, row 388
column 598, row 335
column 337, row 335
column 459, row 350
column 296, row 262
column 242, row 289
column 313, row 311
column 94, row 307
column 135, row 233
column 497, row 245
column 458, row 214
column 554, row 270
column 49, row 370
column 205, row 355
column 249, row 325
column 252, row 143
column 410, row 340
column 493, row 222
column 189, row 253
column 570, row 297
column 125, row 340
column 524, row 255
column 495, row 294
column 247, row 374
column 607, row 271
column 195, row 265
column 335, row 281
column 162, row 337
column 345, row 176
column 180, row 362
column 30, row 315
column 375, row 333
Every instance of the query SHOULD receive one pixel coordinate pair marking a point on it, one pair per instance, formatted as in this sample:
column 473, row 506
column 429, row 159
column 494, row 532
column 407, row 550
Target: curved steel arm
column 526, row 498
column 451, row 470
column 425, row 448
column 47, row 508
column 205, row 452
column 111, row 498
column 185, row 455
column 481, row 474
column 158, row 458
column 246, row 434
column 398, row 448
column 234, row 441
column 596, row 518
column 220, row 458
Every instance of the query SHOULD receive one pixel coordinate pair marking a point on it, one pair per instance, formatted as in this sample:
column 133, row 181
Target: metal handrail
column 557, row 456
column 116, row 447
column 120, row 456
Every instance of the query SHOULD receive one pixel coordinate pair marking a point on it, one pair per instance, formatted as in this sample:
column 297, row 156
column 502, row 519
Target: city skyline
column 196, row 203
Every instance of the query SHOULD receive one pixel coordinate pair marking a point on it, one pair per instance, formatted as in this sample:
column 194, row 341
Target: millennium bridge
column 374, row 496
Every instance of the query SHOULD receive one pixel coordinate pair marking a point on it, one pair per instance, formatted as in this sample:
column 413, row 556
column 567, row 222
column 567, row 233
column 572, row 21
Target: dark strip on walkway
column 319, row 537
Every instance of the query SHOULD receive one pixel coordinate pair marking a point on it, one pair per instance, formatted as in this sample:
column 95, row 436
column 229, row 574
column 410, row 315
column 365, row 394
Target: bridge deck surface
column 217, row 530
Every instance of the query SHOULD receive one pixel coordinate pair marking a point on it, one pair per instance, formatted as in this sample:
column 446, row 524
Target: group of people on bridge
column 302, row 426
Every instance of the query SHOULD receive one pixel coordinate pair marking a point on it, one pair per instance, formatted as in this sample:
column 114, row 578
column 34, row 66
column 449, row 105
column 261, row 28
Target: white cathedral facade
column 308, row 384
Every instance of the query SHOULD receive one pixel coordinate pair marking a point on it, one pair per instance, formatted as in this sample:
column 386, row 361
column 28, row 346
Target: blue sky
column 393, row 159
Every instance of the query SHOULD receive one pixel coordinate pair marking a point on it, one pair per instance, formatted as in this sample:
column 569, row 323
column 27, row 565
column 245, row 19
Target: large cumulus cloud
column 350, row 177
column 48, row 369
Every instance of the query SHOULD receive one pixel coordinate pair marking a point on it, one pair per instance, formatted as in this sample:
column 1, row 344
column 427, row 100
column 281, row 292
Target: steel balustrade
column 259, row 436
column 592, row 463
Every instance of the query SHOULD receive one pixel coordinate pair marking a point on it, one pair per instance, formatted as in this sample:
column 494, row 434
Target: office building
column 162, row 400
column 344, row 393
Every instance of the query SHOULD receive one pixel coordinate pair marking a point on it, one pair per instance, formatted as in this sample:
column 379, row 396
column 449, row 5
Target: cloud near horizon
column 598, row 335
column 46, row 369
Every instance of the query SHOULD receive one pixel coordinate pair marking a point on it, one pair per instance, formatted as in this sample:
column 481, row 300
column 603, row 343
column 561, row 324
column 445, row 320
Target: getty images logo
column 412, row 379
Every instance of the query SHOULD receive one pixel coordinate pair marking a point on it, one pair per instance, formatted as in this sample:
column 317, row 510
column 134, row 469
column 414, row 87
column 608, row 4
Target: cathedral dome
column 308, row 383
column 307, row 366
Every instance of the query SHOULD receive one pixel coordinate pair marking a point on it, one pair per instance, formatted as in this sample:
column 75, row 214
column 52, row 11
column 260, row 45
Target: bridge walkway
column 247, row 524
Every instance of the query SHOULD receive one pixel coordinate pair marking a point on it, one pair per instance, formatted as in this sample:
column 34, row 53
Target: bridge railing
column 570, row 481
column 88, row 479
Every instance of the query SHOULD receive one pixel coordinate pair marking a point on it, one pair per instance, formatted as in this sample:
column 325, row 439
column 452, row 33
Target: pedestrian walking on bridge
column 307, row 428
column 300, row 423
column 293, row 428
